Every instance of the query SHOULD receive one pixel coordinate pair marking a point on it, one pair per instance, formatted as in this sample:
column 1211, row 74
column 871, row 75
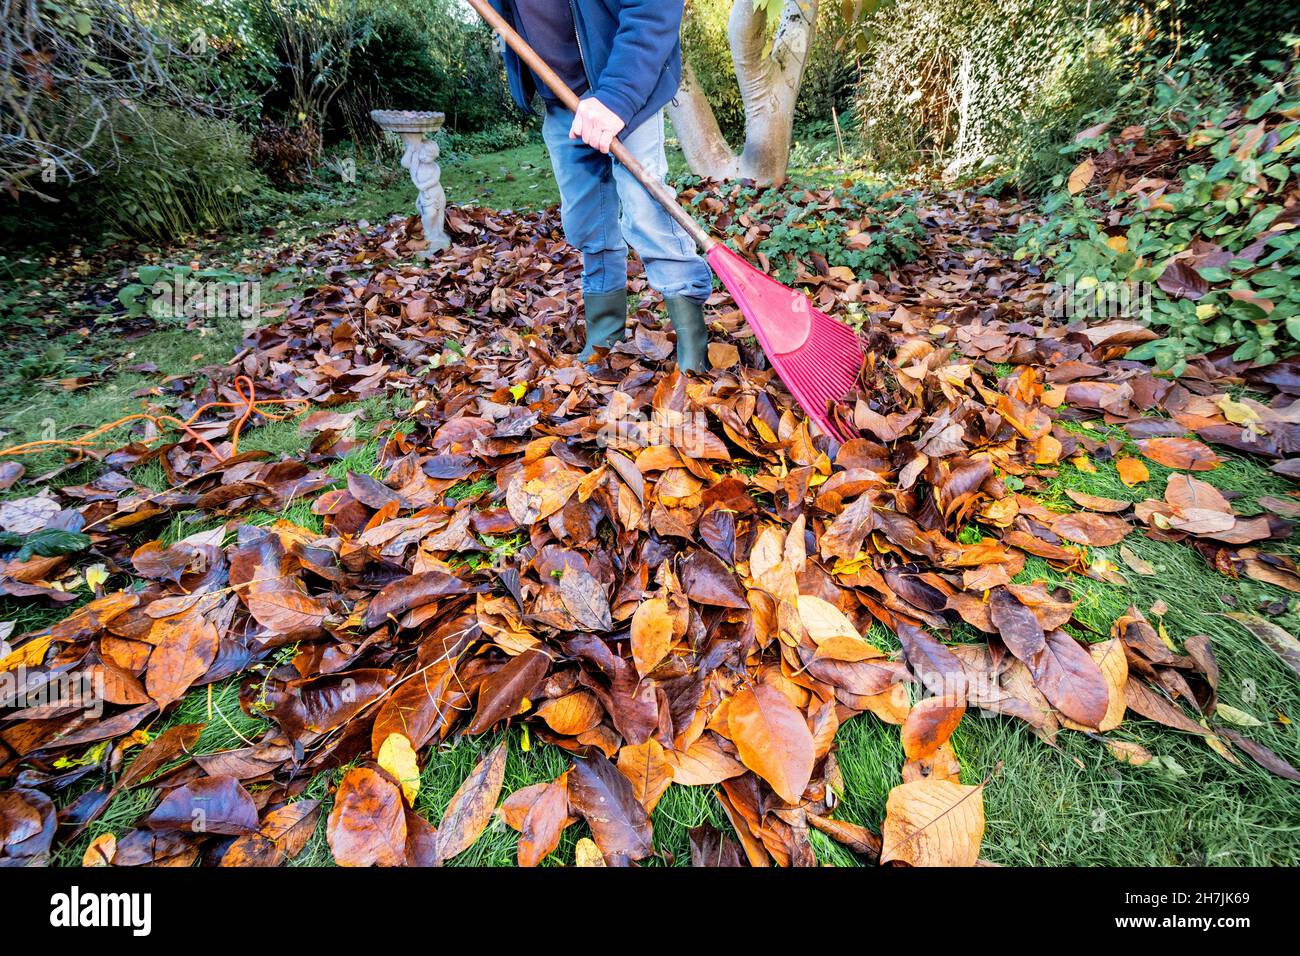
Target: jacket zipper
column 573, row 10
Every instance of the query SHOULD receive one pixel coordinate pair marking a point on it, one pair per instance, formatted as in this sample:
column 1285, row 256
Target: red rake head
column 818, row 358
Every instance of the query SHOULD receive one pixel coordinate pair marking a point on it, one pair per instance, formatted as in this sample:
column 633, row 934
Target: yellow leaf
column 1238, row 413
column 518, row 391
column 29, row 655
column 586, row 853
column 823, row 620
column 1081, row 176
column 1084, row 465
column 96, row 575
column 1118, row 243
column 397, row 756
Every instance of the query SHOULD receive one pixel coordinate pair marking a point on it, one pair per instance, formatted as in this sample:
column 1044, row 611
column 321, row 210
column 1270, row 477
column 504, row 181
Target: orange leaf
column 773, row 739
column 930, row 724
column 652, row 634
column 367, row 826
column 1184, row 453
column 933, row 823
column 1132, row 471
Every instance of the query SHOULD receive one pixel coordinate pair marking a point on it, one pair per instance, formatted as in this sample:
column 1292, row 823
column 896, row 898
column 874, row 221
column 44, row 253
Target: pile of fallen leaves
column 691, row 575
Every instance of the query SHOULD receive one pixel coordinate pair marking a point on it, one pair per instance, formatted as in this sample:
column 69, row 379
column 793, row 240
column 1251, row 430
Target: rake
column 818, row 358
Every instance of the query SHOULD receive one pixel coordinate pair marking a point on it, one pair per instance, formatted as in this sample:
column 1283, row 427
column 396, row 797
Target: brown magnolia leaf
column 933, row 823
column 706, row 580
column 207, row 805
column 1095, row 503
column 703, row 763
column 1110, row 659
column 1071, row 680
column 184, row 648
column 1095, row 530
column 27, row 825
column 1142, row 700
column 1081, row 176
column 502, row 694
column 367, row 826
column 415, row 590
column 1018, row 625
column 1190, row 495
column 711, row 847
column 10, row 472
column 1139, row 565
column 26, row 515
column 283, row 834
column 572, row 714
column 652, row 634
column 585, row 599
column 930, row 724
column 415, row 709
column 606, row 800
column 1125, row 751
column 101, row 851
column 940, row 765
column 773, row 739
column 857, row 838
column 723, row 355
column 471, row 806
column 824, row 621
column 648, row 770
column 1182, row 453
column 159, row 752
column 1181, row 280
column 1257, row 752
column 543, row 825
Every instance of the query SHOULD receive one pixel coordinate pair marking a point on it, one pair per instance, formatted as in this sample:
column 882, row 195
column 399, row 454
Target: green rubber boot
column 606, row 319
column 687, row 317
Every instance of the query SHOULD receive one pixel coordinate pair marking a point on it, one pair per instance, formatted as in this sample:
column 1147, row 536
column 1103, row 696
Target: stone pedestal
column 420, row 159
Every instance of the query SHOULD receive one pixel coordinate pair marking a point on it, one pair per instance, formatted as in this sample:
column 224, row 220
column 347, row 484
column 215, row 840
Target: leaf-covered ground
column 452, row 561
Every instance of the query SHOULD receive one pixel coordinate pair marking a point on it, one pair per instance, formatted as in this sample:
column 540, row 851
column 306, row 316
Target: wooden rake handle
column 656, row 187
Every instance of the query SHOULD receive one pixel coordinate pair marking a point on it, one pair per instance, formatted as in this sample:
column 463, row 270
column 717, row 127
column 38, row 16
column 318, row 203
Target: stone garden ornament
column 420, row 159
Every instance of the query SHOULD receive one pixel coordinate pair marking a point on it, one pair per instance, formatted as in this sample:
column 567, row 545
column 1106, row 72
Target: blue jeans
column 603, row 209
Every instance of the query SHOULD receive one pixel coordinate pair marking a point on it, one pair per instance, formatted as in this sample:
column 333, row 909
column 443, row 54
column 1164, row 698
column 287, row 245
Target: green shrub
column 1230, row 30
column 958, row 82
column 796, row 227
column 172, row 174
column 1214, row 247
column 979, row 84
column 493, row 139
column 425, row 55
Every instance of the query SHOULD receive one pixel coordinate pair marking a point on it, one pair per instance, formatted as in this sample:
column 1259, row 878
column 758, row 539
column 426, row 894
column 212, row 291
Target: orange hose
column 248, row 402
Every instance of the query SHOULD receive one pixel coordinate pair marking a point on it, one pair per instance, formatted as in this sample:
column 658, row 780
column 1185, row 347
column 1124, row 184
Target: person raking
column 623, row 59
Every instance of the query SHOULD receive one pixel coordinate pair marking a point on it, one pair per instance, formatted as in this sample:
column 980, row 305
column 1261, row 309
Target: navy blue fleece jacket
column 631, row 49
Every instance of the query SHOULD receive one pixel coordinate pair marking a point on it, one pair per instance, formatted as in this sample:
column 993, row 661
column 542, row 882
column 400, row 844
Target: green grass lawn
column 1075, row 805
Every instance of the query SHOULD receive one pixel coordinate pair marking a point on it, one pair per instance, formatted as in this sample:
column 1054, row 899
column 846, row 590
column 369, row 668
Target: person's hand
column 595, row 124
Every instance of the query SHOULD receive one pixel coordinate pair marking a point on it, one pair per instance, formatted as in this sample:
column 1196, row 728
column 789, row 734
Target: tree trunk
column 769, row 85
